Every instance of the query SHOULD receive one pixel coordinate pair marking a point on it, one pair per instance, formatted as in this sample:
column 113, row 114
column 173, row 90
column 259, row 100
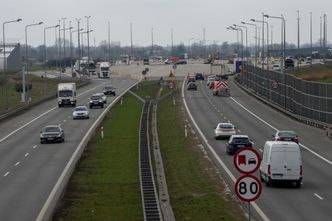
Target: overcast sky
column 187, row 18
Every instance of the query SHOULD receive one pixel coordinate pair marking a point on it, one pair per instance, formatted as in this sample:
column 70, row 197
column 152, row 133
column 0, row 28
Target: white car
column 81, row 112
column 224, row 130
column 103, row 96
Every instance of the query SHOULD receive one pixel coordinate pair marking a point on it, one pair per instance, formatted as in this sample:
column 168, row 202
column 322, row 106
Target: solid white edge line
column 229, row 173
column 260, row 119
column 318, row 196
column 43, row 114
column 60, row 180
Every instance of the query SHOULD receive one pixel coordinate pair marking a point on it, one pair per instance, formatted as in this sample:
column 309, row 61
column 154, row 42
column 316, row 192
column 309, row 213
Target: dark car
column 52, row 134
column 286, row 135
column 181, row 62
column 199, row 76
column 192, row 86
column 237, row 142
column 109, row 90
column 96, row 100
column 289, row 63
column 191, row 79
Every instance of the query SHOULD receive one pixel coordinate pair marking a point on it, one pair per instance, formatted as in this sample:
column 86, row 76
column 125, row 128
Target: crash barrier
column 309, row 100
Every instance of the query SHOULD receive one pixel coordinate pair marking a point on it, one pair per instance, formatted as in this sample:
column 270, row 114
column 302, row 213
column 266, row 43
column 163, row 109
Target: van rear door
column 285, row 165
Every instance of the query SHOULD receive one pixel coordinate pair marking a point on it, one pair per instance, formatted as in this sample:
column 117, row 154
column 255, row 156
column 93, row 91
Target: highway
column 28, row 169
column 313, row 201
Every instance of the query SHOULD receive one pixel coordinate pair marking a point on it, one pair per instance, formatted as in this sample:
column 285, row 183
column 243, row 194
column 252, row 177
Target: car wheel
column 268, row 182
column 59, row 105
column 87, row 117
column 42, row 142
column 90, row 107
column 298, row 184
column 102, row 106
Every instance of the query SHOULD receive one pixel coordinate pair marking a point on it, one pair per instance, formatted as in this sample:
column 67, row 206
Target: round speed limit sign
column 248, row 188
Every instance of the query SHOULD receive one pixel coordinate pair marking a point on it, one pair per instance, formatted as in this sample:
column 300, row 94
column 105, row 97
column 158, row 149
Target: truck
column 66, row 94
column 103, row 70
column 221, row 86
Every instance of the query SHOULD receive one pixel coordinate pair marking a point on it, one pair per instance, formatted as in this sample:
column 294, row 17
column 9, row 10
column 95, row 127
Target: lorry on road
column 66, row 94
column 221, row 86
column 103, row 70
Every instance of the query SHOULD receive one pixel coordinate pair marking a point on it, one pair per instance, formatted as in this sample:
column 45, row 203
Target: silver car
column 103, row 96
column 81, row 112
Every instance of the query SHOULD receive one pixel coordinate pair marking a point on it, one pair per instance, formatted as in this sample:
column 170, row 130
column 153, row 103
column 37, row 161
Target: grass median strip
column 105, row 185
column 196, row 190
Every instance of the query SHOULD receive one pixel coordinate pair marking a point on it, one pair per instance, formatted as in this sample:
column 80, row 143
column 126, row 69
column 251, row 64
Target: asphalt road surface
column 313, row 201
column 28, row 169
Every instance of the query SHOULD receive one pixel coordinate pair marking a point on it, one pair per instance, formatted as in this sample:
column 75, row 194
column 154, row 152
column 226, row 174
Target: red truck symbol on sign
column 242, row 159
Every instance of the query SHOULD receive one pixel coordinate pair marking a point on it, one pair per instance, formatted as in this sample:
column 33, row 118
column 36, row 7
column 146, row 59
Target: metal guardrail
column 148, row 188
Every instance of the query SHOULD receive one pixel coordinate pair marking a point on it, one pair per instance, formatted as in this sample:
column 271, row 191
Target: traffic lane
column 256, row 130
column 48, row 160
column 315, row 169
column 12, row 124
column 280, row 201
column 311, row 137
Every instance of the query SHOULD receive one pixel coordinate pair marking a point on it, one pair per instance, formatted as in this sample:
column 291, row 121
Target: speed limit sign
column 248, row 188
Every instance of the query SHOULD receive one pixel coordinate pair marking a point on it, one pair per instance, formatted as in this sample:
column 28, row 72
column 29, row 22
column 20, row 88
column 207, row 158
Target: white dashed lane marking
column 27, row 154
column 16, row 164
column 318, row 196
column 34, row 147
column 6, row 174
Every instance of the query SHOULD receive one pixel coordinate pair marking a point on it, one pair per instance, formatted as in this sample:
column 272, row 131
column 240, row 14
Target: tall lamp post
column 26, row 59
column 241, row 26
column 252, row 24
column 87, row 31
column 267, row 37
column 237, row 36
column 4, row 55
column 283, row 47
column 45, row 75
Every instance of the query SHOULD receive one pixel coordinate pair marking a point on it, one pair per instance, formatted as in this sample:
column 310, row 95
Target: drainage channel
column 150, row 203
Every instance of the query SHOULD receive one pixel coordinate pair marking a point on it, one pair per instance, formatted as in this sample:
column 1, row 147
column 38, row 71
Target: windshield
column 52, row 129
column 80, row 109
column 241, row 140
column 65, row 93
column 287, row 134
column 95, row 97
column 105, row 68
column 226, row 126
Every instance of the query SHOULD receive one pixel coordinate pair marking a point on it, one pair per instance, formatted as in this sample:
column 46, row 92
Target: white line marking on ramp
column 318, row 196
column 6, row 174
column 16, row 164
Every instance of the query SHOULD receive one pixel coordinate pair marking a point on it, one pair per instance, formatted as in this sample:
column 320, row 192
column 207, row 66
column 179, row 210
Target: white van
column 281, row 162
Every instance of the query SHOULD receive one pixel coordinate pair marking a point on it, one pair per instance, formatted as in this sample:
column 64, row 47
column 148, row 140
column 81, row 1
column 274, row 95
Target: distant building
column 12, row 57
column 303, row 52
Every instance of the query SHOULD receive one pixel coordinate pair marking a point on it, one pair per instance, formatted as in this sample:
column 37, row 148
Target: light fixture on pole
column 4, row 56
column 64, row 44
column 283, row 47
column 241, row 26
column 267, row 25
column 252, row 24
column 45, row 74
column 26, row 62
column 88, row 30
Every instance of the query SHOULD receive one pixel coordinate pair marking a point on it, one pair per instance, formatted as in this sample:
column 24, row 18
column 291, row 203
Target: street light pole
column 311, row 38
column 109, row 41
column 4, row 56
column 64, row 44
column 245, row 23
column 246, row 33
column 88, row 30
column 298, row 39
column 267, row 24
column 27, row 60
column 131, row 41
column 45, row 76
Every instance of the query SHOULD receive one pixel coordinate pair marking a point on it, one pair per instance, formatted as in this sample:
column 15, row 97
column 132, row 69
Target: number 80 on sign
column 248, row 188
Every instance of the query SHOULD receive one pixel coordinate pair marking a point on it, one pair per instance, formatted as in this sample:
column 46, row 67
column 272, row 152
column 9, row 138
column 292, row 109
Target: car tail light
column 301, row 170
column 269, row 170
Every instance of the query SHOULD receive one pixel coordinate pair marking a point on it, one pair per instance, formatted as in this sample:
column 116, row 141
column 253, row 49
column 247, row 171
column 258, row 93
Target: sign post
column 247, row 187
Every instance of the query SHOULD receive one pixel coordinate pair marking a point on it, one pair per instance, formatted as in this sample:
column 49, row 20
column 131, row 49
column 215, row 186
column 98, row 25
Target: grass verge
column 105, row 185
column 317, row 72
column 195, row 189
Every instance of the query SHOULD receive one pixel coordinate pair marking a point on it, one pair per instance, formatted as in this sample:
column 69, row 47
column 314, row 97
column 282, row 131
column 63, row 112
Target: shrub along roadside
column 196, row 190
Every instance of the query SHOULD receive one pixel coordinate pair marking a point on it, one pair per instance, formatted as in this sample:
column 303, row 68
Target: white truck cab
column 66, row 94
column 281, row 161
